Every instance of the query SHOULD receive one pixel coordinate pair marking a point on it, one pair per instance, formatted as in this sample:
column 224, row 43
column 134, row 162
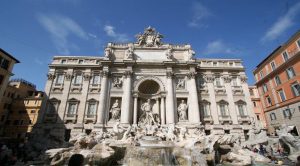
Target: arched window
column 205, row 108
column 72, row 107
column 223, row 108
column 92, row 105
column 241, row 108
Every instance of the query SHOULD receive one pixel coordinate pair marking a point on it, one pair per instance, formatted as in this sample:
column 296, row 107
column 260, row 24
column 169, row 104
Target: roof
column 279, row 47
column 7, row 54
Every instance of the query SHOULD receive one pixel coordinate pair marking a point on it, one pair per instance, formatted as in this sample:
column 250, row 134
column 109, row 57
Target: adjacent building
column 22, row 105
column 257, row 106
column 7, row 62
column 148, row 78
column 277, row 79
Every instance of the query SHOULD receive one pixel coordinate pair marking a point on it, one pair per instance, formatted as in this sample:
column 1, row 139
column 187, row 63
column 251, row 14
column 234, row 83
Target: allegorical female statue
column 115, row 111
column 182, row 111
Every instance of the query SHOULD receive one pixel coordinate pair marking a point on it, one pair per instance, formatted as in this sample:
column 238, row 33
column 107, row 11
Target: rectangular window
column 60, row 79
column 273, row 66
column 218, row 81
column 277, row 80
column 257, row 116
column 234, row 81
column 269, row 100
column 1, row 80
column 80, row 61
column 241, row 110
column 282, row 95
column 261, row 74
column 91, row 109
column 204, row 109
column 285, row 56
column 4, row 63
column 265, row 88
column 96, row 79
column 223, row 109
column 290, row 72
column 273, row 116
column 296, row 89
column 254, row 103
column 72, row 109
column 63, row 61
column 287, row 113
column 77, row 79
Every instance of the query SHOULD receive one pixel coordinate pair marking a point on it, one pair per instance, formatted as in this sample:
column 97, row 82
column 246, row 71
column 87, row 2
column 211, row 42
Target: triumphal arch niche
column 158, row 82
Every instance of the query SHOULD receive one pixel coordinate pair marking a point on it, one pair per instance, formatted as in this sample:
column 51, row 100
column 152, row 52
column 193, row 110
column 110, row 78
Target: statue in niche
column 117, row 82
column 182, row 111
column 129, row 52
column 115, row 111
column 180, row 84
column 147, row 116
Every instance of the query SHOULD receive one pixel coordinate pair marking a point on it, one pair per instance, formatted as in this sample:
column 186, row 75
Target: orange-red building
column 257, row 106
column 278, row 83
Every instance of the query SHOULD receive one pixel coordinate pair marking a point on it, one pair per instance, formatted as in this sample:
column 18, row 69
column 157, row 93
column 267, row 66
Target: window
column 269, row 100
column 257, row 116
column 234, row 81
column 59, row 79
column 254, row 103
column 273, row 116
column 277, row 80
column 4, row 63
column 96, row 79
column 265, row 88
column 63, row 61
column 290, row 72
column 296, row 89
column 285, row 56
column 77, row 79
column 287, row 113
column 92, row 107
column 282, row 95
column 215, row 63
column 218, row 81
column 241, row 109
column 204, row 108
column 1, row 80
column 251, row 92
column 261, row 74
column 80, row 61
column 72, row 109
column 273, row 66
column 53, row 106
column 223, row 109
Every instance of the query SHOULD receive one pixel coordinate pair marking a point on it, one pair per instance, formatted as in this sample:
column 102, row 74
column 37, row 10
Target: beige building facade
column 147, row 82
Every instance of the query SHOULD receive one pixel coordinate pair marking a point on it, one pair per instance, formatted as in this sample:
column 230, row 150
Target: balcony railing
column 225, row 118
column 90, row 118
column 244, row 118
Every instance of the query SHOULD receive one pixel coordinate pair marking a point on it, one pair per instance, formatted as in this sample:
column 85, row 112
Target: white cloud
column 200, row 13
column 60, row 28
column 218, row 47
column 110, row 31
column 282, row 24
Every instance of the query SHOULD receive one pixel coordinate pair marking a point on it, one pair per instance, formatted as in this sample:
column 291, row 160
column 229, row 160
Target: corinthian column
column 193, row 111
column 126, row 99
column 170, row 109
column 103, row 96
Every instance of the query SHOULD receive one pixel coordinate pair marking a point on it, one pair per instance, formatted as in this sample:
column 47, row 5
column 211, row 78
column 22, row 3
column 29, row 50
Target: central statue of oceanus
column 148, row 117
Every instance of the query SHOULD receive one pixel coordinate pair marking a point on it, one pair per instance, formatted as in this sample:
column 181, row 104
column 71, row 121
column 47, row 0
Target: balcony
column 220, row 89
column 94, row 88
column 244, row 119
column 237, row 90
column 76, row 88
column 90, row 118
column 225, row 119
column 208, row 119
column 70, row 118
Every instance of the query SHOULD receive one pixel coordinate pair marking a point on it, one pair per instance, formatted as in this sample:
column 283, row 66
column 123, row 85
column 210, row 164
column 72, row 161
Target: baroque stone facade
column 148, row 82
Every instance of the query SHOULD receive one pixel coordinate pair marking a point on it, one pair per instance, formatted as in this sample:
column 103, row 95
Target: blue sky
column 35, row 30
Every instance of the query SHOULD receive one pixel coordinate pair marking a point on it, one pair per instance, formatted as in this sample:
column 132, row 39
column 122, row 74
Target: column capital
column 170, row 74
column 243, row 78
column 68, row 76
column 209, row 78
column 87, row 76
column 104, row 73
column 227, row 78
column 51, row 76
column 191, row 75
column 135, row 94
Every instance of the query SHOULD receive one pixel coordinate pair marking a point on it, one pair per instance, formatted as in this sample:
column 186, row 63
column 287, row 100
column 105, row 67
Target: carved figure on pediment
column 227, row 79
column 107, row 53
column 149, row 38
column 191, row 54
column 115, row 111
column 169, row 53
column 182, row 111
column 180, row 84
column 86, row 77
column 117, row 82
column 68, row 76
column 147, row 117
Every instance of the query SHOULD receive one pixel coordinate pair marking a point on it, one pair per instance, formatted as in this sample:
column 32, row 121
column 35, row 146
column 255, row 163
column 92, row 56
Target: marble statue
column 191, row 54
column 117, row 82
column 149, row 38
column 147, row 113
column 115, row 111
column 169, row 53
column 129, row 52
column 107, row 53
column 180, row 84
column 182, row 111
